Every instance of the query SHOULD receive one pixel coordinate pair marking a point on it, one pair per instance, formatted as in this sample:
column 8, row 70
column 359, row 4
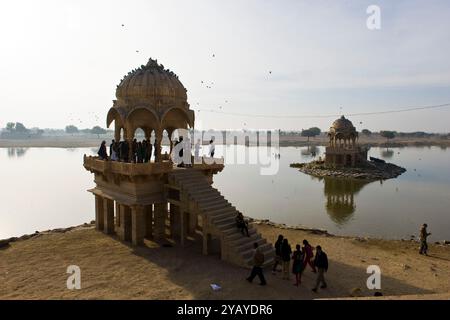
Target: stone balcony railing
column 94, row 164
column 345, row 148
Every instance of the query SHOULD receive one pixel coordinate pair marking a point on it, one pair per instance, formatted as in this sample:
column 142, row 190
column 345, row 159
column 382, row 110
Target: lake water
column 44, row 188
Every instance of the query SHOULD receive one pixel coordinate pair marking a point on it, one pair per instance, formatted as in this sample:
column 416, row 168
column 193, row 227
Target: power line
column 408, row 109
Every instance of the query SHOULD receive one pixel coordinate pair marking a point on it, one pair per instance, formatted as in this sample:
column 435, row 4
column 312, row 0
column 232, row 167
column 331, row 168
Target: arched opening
column 143, row 118
column 177, row 118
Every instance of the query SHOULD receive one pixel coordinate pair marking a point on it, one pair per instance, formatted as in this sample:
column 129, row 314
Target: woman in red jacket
column 308, row 250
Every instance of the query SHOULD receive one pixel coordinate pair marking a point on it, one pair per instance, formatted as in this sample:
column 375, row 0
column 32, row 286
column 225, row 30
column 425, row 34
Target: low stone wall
column 371, row 171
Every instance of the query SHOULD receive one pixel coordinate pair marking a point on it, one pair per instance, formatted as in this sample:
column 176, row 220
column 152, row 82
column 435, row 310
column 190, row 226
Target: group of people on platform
column 301, row 258
column 141, row 151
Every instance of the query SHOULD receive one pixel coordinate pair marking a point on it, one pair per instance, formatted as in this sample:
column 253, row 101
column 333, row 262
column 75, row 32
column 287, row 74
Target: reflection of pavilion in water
column 16, row 152
column 310, row 150
column 340, row 195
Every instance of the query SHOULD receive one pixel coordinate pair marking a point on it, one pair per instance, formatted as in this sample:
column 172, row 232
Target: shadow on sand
column 194, row 272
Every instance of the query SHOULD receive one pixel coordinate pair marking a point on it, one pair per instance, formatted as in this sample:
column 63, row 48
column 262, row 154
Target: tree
column 366, row 132
column 311, row 132
column 71, row 129
column 20, row 128
column 10, row 126
column 98, row 131
column 388, row 135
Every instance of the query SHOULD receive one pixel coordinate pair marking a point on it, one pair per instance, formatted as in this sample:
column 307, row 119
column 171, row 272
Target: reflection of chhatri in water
column 16, row 152
column 312, row 151
column 340, row 195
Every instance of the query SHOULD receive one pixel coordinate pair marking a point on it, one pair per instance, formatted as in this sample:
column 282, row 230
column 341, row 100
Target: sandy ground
column 36, row 269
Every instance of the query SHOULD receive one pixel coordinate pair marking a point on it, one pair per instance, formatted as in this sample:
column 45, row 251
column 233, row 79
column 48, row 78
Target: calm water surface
column 45, row 188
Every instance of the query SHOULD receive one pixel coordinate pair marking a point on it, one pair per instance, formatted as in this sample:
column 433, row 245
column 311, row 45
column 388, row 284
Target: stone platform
column 368, row 171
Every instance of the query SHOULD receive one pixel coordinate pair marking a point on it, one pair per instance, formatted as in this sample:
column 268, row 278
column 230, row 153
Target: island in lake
column 345, row 158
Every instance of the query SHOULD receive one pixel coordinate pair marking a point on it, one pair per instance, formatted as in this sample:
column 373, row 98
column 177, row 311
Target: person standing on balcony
column 197, row 149
column 149, row 150
column 102, row 154
column 212, row 148
column 134, row 147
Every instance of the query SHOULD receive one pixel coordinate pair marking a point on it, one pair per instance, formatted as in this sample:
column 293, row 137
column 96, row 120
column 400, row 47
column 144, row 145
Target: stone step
column 193, row 181
column 222, row 214
column 199, row 191
column 212, row 200
column 224, row 225
column 195, row 196
column 227, row 217
column 211, row 206
column 243, row 239
column 208, row 195
column 249, row 252
column 249, row 245
column 233, row 233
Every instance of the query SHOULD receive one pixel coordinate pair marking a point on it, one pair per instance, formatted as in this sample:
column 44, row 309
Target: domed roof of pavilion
column 342, row 128
column 150, row 97
column 151, row 81
column 343, row 124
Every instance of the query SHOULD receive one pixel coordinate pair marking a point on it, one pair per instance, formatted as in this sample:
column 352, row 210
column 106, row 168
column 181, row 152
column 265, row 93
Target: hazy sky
column 60, row 61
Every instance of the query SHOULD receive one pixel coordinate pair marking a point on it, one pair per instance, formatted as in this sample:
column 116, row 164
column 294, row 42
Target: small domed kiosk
column 138, row 201
column 343, row 148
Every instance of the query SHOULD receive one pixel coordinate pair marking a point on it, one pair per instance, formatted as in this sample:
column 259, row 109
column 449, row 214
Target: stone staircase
column 218, row 216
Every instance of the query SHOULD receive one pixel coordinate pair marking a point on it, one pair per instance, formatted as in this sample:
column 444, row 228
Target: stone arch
column 116, row 116
column 144, row 118
column 177, row 118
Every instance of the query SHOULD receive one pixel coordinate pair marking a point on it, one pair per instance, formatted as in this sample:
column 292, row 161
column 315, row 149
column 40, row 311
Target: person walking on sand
column 278, row 259
column 286, row 252
column 297, row 264
column 258, row 261
column 423, row 239
column 321, row 262
column 308, row 250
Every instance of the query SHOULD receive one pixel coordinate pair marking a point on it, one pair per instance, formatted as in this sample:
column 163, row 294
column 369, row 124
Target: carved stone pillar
column 160, row 217
column 137, row 225
column 99, row 213
column 108, row 215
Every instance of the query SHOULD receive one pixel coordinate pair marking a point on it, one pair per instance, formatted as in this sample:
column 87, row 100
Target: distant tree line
column 17, row 130
column 71, row 129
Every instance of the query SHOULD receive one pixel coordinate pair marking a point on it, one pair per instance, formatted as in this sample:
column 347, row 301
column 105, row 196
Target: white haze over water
column 61, row 60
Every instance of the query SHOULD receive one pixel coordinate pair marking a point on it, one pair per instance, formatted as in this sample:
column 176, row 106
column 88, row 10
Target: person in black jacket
column 102, row 154
column 321, row 263
column 278, row 259
column 286, row 252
